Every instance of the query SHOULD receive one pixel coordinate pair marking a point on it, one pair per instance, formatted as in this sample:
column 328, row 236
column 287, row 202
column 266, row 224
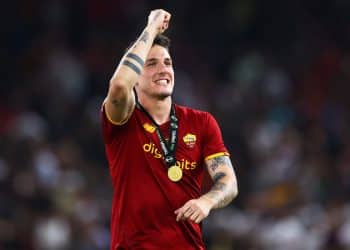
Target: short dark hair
column 162, row 41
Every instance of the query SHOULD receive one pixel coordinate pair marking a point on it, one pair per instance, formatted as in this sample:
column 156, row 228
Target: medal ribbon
column 169, row 148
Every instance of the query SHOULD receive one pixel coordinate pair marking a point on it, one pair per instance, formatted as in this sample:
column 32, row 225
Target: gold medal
column 175, row 173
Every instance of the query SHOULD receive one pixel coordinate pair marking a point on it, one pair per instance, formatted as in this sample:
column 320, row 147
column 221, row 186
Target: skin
column 221, row 194
column 158, row 66
column 120, row 100
column 156, row 83
column 154, row 86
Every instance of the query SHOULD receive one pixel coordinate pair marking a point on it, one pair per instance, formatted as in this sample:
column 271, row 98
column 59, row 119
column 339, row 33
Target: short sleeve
column 111, row 130
column 213, row 144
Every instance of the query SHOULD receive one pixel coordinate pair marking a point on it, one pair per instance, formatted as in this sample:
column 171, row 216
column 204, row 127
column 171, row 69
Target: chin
column 164, row 94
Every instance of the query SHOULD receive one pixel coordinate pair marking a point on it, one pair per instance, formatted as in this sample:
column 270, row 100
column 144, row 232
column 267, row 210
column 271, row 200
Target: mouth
column 162, row 81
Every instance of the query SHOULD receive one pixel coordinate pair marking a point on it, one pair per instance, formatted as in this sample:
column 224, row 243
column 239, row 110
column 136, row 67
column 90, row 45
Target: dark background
column 275, row 74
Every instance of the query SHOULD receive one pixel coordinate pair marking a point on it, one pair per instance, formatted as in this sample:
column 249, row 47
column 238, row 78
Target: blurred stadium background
column 274, row 73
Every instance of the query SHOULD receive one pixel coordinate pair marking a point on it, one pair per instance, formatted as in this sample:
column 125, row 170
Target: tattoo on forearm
column 219, row 192
column 222, row 192
column 136, row 58
column 218, row 186
column 132, row 66
column 218, row 176
column 145, row 36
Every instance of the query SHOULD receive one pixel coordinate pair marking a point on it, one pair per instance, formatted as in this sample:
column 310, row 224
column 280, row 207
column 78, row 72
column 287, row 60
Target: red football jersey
column 145, row 198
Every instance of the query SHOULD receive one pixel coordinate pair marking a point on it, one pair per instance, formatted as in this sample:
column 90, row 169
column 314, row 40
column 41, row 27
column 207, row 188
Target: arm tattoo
column 219, row 186
column 145, row 36
column 216, row 162
column 221, row 192
column 116, row 102
column 132, row 66
column 136, row 58
column 218, row 176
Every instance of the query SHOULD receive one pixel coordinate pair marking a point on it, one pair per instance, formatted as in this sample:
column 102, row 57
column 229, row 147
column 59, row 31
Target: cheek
column 144, row 77
column 147, row 74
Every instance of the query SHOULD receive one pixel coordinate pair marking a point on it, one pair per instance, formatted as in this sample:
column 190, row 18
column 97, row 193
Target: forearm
column 120, row 100
column 129, row 68
column 223, row 191
column 220, row 195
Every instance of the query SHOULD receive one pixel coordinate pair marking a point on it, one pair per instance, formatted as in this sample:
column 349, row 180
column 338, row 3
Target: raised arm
column 221, row 194
column 120, row 100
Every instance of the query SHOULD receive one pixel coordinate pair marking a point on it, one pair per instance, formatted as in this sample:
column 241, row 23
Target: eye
column 151, row 64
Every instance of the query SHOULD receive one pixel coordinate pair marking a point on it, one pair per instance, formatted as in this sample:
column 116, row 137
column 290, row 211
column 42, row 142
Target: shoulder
column 191, row 113
column 198, row 119
column 112, row 130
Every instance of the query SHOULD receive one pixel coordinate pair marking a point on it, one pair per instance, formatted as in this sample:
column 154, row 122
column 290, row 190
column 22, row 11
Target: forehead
column 158, row 52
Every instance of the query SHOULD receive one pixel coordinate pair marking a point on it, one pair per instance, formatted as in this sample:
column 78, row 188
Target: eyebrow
column 155, row 59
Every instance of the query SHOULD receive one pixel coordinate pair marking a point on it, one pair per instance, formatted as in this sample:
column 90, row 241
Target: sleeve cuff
column 216, row 155
column 114, row 122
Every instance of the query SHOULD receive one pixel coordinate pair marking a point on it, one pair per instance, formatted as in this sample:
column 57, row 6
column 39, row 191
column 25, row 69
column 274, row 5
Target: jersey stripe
column 216, row 155
column 113, row 122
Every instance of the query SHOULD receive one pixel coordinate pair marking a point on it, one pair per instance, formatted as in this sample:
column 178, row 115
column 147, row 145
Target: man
column 156, row 151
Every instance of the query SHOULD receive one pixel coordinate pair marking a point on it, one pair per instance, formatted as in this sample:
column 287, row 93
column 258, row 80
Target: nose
column 163, row 68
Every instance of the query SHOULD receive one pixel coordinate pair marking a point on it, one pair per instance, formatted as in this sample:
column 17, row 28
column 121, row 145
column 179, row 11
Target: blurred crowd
column 275, row 74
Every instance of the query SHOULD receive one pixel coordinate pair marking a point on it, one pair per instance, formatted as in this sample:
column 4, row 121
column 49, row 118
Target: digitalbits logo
column 184, row 164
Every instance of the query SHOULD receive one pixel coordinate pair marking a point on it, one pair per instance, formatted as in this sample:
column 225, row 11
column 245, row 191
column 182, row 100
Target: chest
column 188, row 145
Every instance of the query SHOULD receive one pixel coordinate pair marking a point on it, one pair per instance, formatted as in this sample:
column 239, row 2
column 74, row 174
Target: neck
column 159, row 109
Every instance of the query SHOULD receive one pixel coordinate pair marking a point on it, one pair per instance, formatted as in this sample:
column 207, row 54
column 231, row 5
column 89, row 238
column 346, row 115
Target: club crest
column 190, row 140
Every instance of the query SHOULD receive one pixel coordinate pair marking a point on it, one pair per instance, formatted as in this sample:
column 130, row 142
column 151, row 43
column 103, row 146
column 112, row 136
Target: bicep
column 220, row 167
column 119, row 105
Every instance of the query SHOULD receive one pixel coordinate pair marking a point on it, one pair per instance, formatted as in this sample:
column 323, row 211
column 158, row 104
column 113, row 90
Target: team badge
column 190, row 140
column 149, row 128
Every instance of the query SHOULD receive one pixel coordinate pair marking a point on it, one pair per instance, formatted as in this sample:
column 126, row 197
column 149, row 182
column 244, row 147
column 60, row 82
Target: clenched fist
column 159, row 19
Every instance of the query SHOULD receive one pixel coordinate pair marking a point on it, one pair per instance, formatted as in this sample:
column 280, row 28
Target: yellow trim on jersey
column 113, row 122
column 216, row 155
